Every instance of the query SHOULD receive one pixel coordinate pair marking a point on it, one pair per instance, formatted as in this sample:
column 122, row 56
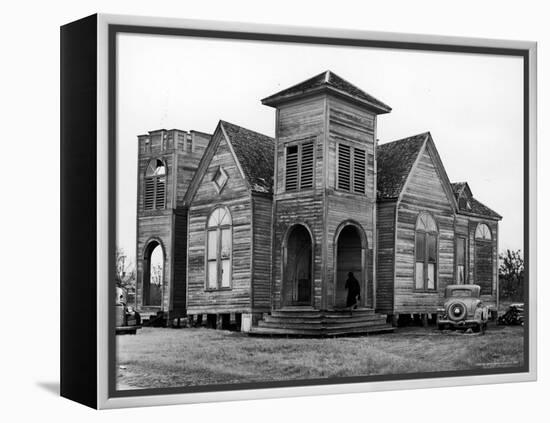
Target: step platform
column 308, row 322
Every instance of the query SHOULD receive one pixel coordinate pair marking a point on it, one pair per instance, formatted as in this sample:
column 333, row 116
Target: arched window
column 426, row 252
column 219, row 245
column 483, row 232
column 155, row 185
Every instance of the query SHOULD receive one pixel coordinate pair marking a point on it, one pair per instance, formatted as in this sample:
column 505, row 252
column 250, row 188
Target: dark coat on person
column 354, row 290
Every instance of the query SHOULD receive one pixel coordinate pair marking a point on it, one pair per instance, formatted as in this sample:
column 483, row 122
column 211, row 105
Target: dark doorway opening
column 349, row 258
column 298, row 267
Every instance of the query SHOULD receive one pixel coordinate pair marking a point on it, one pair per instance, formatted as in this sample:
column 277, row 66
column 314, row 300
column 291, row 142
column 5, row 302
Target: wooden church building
column 262, row 232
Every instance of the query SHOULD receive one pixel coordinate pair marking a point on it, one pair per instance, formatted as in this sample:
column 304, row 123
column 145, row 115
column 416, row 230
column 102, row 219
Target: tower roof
column 327, row 81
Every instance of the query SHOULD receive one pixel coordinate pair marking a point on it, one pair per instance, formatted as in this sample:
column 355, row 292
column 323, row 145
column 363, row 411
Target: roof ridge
column 245, row 128
column 254, row 153
column 328, row 80
column 426, row 133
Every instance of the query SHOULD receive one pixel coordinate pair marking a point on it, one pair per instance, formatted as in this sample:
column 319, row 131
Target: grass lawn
column 161, row 358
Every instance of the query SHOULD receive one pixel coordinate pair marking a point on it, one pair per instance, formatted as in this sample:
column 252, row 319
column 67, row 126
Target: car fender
column 482, row 313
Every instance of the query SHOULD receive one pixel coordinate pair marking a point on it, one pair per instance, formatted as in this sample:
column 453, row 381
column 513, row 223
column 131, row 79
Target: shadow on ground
column 51, row 387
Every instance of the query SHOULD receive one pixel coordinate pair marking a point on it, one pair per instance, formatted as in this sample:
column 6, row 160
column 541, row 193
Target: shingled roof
column 395, row 161
column 255, row 153
column 327, row 80
column 476, row 206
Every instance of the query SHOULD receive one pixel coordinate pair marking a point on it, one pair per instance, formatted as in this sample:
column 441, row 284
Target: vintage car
column 513, row 316
column 463, row 309
column 127, row 320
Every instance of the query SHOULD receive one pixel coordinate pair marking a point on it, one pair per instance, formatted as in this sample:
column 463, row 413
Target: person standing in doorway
column 354, row 291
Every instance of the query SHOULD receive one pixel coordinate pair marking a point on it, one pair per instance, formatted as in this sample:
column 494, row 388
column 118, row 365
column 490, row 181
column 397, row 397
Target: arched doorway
column 350, row 257
column 297, row 274
column 153, row 275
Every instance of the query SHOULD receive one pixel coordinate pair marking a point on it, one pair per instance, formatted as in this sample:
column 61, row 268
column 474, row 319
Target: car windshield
column 461, row 293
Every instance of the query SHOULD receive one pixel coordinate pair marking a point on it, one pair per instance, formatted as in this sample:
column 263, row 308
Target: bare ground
column 161, row 358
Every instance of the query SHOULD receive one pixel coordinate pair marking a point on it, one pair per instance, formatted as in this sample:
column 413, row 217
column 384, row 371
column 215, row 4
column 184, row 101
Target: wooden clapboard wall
column 261, row 257
column 424, row 192
column 385, row 226
column 236, row 197
column 486, row 262
column 297, row 122
column 180, row 152
column 351, row 126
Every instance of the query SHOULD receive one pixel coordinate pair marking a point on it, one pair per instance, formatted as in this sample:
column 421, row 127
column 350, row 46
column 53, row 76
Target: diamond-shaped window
column 220, row 178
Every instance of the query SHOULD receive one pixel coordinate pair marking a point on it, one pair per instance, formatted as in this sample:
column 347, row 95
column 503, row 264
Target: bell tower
column 325, row 192
column 167, row 161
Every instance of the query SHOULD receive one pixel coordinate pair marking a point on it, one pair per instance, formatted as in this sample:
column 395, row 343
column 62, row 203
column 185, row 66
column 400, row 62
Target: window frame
column 352, row 148
column 483, row 239
column 299, row 143
column 465, row 264
column 426, row 261
column 155, row 179
column 219, row 265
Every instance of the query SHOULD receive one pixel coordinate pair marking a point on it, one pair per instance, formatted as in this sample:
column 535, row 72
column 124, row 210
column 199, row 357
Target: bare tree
column 511, row 275
column 156, row 274
column 125, row 273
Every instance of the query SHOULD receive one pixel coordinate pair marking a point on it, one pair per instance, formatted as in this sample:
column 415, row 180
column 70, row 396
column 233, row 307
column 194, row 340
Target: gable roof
column 327, row 80
column 476, row 206
column 254, row 153
column 395, row 160
column 461, row 187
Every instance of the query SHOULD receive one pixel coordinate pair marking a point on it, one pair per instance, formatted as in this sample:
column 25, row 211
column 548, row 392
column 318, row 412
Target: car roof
column 464, row 286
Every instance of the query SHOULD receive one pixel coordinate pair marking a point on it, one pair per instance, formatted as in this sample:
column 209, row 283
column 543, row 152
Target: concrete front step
column 324, row 319
column 321, row 326
column 310, row 322
column 315, row 314
column 375, row 329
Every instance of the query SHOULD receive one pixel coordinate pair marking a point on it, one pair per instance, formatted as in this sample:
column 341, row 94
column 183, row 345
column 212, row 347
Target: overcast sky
column 471, row 104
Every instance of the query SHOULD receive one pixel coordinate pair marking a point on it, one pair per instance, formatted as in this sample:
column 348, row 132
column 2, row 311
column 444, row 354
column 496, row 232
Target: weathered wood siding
column 343, row 210
column 181, row 152
column 179, row 285
column 353, row 126
column 157, row 227
column 385, row 223
column 235, row 196
column 261, row 260
column 462, row 230
column 423, row 192
column 465, row 226
column 324, row 209
column 188, row 159
column 296, row 121
column 155, row 224
column 490, row 299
